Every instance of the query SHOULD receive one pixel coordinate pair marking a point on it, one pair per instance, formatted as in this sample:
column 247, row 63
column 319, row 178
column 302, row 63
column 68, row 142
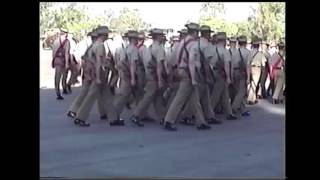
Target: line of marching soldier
column 185, row 83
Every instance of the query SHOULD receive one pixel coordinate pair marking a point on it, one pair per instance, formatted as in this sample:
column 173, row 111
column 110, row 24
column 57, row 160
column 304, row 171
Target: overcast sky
column 171, row 15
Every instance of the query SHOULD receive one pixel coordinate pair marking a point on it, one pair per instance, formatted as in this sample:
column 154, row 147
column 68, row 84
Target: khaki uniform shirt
column 143, row 56
column 130, row 55
column 224, row 55
column 245, row 55
column 267, row 55
column 56, row 45
column 119, row 53
column 206, row 49
column 274, row 59
column 171, row 56
column 157, row 54
column 256, row 58
column 193, row 51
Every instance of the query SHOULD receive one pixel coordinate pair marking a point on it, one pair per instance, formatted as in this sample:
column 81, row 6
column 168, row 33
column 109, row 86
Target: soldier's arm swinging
column 249, row 69
column 67, row 50
column 206, row 71
column 97, row 68
column 133, row 72
column 227, row 70
column 159, row 73
column 231, row 70
column 192, row 69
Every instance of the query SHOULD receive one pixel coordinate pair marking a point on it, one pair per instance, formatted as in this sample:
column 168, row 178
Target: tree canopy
column 77, row 20
column 267, row 21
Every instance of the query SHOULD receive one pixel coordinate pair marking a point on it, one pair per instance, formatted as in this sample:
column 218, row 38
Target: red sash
column 60, row 47
column 273, row 71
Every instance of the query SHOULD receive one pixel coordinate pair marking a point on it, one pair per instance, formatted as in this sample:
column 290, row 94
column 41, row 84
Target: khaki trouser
column 185, row 92
column 186, row 111
column 279, row 85
column 232, row 92
column 141, row 82
column 239, row 85
column 79, row 99
column 101, row 93
column 73, row 76
column 262, row 83
column 255, row 72
column 60, row 71
column 172, row 95
column 125, row 91
column 219, row 107
column 205, row 103
column 173, row 92
column 152, row 95
column 220, row 92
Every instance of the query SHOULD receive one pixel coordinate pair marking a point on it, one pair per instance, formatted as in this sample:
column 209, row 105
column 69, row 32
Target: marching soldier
column 186, row 115
column 240, row 76
column 156, row 80
column 262, row 92
column 88, row 70
column 88, row 65
column 172, row 71
column 60, row 61
column 256, row 61
column 74, row 66
column 141, row 74
column 98, row 87
column 128, row 78
column 218, row 109
column 278, row 73
column 140, row 65
column 221, row 71
column 119, row 53
column 188, row 63
column 232, row 50
column 272, row 50
column 206, row 51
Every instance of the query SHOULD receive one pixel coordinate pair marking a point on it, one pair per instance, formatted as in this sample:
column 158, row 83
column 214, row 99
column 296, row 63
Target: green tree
column 268, row 20
column 218, row 24
column 45, row 15
column 71, row 16
column 212, row 9
column 211, row 15
column 128, row 20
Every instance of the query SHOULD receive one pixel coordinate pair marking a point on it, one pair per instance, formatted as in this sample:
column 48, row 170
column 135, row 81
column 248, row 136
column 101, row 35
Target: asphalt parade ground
column 249, row 147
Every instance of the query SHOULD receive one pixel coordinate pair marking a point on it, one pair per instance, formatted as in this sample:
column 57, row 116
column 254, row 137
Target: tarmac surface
column 249, row 147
